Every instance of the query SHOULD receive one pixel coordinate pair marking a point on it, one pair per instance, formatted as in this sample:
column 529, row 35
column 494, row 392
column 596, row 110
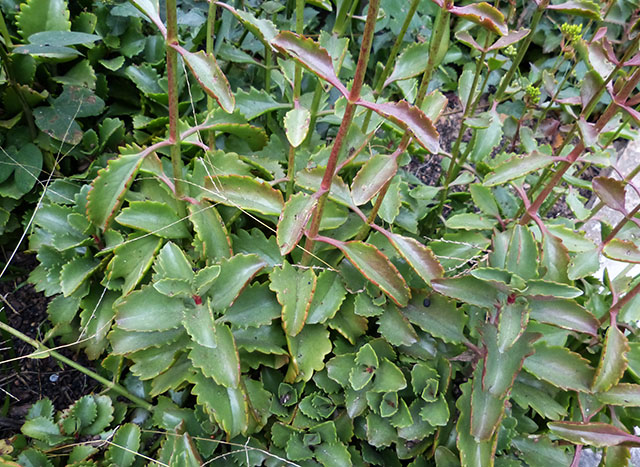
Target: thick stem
column 42, row 350
column 354, row 95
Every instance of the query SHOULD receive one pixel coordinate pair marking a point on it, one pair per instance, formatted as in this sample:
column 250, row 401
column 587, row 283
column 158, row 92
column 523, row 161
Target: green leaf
column 41, row 408
column 125, row 444
column 513, row 320
column 76, row 272
column 149, row 310
column 377, row 268
column 200, row 325
column 154, row 217
column 483, row 14
column 469, row 221
column 296, row 124
column 373, row 175
column 327, row 298
column 484, row 199
column 467, row 289
column 151, row 10
column 62, row 38
column 486, row 409
column 472, row 452
column 410, row 118
column 419, row 256
column 293, row 220
column 586, row 8
column 43, row 429
column 30, row 20
column 366, row 364
column 254, row 103
column 395, row 328
column 623, row 394
column 310, row 55
column 388, row 378
column 244, row 193
column 437, row 316
column 95, row 321
column 29, row 164
column 613, row 361
column 244, row 312
column 109, row 188
column 131, row 261
column 125, row 342
column 295, row 288
column 210, row 77
column 220, row 363
column 555, row 259
column 235, row 274
column 30, row 458
column 594, row 434
column 151, row 362
column 184, row 452
column 516, row 167
column 522, row 253
column 172, row 263
column 486, row 139
column 267, row 339
column 411, row 62
column 311, row 179
column 211, row 231
column 308, row 349
column 263, row 29
column 227, row 405
column 560, row 367
column 542, row 288
column 622, row 250
column 566, row 314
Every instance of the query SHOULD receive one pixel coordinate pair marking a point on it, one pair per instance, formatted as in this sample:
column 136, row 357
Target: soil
column 24, row 381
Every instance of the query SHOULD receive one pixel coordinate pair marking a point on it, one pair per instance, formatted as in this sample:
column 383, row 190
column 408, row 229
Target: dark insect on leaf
column 426, row 302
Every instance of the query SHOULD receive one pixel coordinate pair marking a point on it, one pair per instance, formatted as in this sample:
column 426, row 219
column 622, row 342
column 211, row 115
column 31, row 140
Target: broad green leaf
column 255, row 306
column 622, row 250
column 539, row 451
column 373, row 175
column 388, row 378
column 555, row 259
column 411, row 62
column 470, row 221
column 295, row 288
column 512, row 322
column 151, row 362
column 109, row 188
column 486, row 139
column 613, row 361
column 311, row 179
column 293, row 220
column 484, row 199
column 483, row 14
column 395, row 328
column 62, row 38
column 611, row 192
column 227, row 405
column 529, row 392
column 467, row 289
column 310, row 55
column 131, row 260
column 267, row 339
column 347, row 323
column 76, row 272
column 185, row 452
column 410, row 118
column 28, row 165
column 516, row 167
column 296, row 124
column 210, row 77
column 586, row 8
column 560, row 367
column 366, row 364
column 211, row 231
column 623, row 394
column 220, row 363
column 542, row 288
column 171, row 263
column 566, row 314
column 327, row 298
column 437, row 316
column 29, row 458
column 125, row 342
column 148, row 310
column 472, row 452
column 235, row 274
column 376, row 267
column 125, row 444
column 30, row 20
column 263, row 29
column 434, row 104
column 254, row 103
column 522, row 253
column 151, row 10
column 583, row 265
column 308, row 349
column 594, row 434
column 95, row 321
column 419, row 256
column 43, row 429
column 244, row 193
column 465, row 92
column 200, row 325
column 486, row 409
column 153, row 217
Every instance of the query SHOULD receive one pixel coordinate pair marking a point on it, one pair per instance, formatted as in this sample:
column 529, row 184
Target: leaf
column 566, row 314
column 95, row 321
column 235, row 274
column 560, row 367
column 150, row 9
column 310, row 55
column 555, row 259
column 613, row 361
column 542, row 288
column 154, row 217
column 483, row 198
column 487, row 410
column 125, row 444
column 43, row 429
column 516, row 167
column 211, row 231
column 76, row 272
column 244, row 312
column 29, row 164
column 623, row 394
column 622, row 250
column 586, row 8
column 200, row 325
column 244, row 193
column 308, row 349
column 366, row 364
column 109, row 188
column 263, row 29
column 373, row 175
column 27, row 458
column 467, row 289
column 472, row 451
column 293, row 220
column 522, row 253
column 419, row 256
column 513, row 321
column 254, row 103
column 509, row 39
column 411, row 62
column 377, row 268
column 437, row 316
column 395, row 328
column 149, row 310
column 469, row 221
column 172, row 263
column 594, row 434
column 62, row 38
column 125, row 342
column 295, row 288
column 410, row 118
column 327, row 298
column 30, row 20
column 611, row 192
column 220, row 363
column 483, row 14
column 267, row 339
column 296, row 124
column 210, row 77
column 311, row 179
column 131, row 260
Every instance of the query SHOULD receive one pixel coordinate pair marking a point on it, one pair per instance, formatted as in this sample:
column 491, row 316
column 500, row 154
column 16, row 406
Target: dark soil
column 24, row 381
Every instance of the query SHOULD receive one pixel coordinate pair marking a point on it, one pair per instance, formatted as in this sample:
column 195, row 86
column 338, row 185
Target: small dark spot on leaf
column 426, row 302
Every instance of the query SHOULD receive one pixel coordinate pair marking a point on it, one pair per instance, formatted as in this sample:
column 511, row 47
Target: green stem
column 345, row 12
column 43, row 351
column 5, row 31
column 354, row 95
column 555, row 96
column 211, row 103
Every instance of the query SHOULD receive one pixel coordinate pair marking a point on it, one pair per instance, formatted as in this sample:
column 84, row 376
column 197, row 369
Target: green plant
column 362, row 344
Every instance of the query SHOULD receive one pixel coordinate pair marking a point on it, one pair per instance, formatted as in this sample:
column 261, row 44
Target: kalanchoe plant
column 268, row 286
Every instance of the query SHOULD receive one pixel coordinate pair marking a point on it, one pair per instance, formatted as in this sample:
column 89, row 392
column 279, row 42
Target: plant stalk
column 211, row 103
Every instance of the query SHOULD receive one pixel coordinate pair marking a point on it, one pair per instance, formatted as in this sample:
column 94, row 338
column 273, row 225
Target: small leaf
column 522, row 253
column 419, row 256
column 200, row 325
column 244, row 193
column 310, row 55
column 484, row 199
column 235, row 274
column 513, row 320
column 542, row 288
column 308, row 350
column 254, row 103
column 151, row 10
column 622, row 250
column 311, row 179
column 611, row 192
column 153, row 217
column 594, row 434
column 395, row 328
column 295, row 288
column 586, row 8
column 373, row 175
column 131, row 261
column 516, row 167
column 149, row 310
column 410, row 118
column 555, row 259
column 327, row 298
column 74, row 273
column 210, row 77
column 244, row 313
column 470, row 221
column 30, row 20
column 613, row 361
column 296, row 124
column 211, row 231
column 411, row 62
column 560, row 367
column 43, row 429
column 472, row 451
column 487, row 410
column 125, row 444
column 293, row 220
column 483, row 14
column 263, row 29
